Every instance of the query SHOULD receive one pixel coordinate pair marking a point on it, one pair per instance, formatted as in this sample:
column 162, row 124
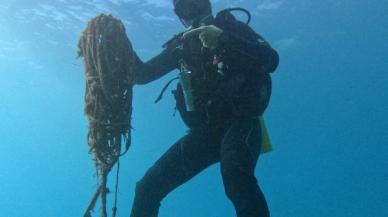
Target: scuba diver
column 224, row 88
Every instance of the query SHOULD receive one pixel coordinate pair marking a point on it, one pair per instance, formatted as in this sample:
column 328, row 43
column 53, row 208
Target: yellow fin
column 266, row 145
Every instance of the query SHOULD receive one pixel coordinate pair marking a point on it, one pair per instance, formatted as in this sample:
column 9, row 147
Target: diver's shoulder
column 174, row 40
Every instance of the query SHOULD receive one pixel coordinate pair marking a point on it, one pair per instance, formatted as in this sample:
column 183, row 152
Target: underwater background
column 328, row 116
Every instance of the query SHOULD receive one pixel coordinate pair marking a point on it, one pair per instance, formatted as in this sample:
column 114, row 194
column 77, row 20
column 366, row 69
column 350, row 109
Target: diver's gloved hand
column 209, row 35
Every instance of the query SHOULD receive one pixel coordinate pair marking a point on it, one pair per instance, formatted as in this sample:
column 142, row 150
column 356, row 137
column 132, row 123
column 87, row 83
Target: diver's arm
column 155, row 68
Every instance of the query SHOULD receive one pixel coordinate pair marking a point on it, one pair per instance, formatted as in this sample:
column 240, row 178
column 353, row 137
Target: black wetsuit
column 224, row 126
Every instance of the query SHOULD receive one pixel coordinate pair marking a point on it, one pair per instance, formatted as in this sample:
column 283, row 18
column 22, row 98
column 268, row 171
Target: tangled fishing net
column 108, row 59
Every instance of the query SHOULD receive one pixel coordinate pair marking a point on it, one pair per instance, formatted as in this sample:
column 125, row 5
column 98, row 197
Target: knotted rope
column 108, row 59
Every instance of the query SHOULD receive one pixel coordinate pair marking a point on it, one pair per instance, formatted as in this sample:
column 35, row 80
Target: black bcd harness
column 224, row 20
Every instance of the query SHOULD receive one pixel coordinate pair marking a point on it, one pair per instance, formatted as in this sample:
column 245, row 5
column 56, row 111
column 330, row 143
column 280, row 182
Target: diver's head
column 192, row 12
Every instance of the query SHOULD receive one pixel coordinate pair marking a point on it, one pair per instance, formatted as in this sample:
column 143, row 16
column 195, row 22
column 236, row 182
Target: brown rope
column 114, row 209
column 104, row 180
column 108, row 58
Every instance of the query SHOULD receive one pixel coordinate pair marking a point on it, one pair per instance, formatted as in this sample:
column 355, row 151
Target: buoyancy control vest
column 201, row 72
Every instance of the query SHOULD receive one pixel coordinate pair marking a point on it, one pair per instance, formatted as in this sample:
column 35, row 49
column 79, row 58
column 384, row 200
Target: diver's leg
column 239, row 153
column 186, row 158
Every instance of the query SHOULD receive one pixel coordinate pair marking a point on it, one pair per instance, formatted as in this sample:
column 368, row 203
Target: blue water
column 327, row 117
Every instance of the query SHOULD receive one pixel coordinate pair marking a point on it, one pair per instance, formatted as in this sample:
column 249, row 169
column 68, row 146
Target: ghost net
column 108, row 59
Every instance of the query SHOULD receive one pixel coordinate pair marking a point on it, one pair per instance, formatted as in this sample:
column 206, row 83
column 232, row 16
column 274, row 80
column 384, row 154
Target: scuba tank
column 185, row 79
